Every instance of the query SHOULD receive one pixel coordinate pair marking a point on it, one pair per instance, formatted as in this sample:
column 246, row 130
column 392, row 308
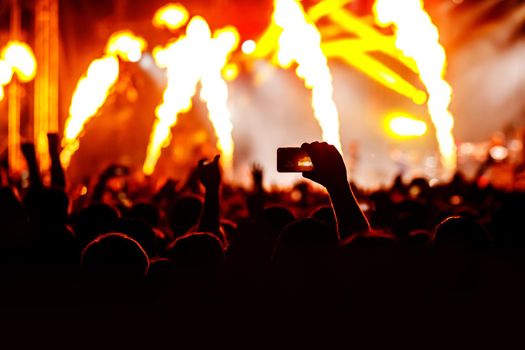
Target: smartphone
column 293, row 160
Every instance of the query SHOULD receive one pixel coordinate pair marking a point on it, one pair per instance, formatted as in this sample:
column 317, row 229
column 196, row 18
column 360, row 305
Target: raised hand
column 257, row 176
column 210, row 177
column 209, row 173
column 28, row 150
column 329, row 167
column 53, row 144
column 58, row 177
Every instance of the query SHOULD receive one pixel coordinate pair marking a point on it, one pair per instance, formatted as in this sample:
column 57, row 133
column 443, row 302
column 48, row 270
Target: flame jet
column 95, row 86
column 300, row 42
column 214, row 92
column 192, row 58
column 418, row 37
column 20, row 58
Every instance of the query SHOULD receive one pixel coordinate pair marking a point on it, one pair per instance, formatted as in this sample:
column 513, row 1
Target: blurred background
column 374, row 79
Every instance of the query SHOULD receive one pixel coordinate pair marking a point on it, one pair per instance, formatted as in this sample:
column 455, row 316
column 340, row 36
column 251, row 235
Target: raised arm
column 28, row 150
column 210, row 177
column 330, row 172
column 58, row 177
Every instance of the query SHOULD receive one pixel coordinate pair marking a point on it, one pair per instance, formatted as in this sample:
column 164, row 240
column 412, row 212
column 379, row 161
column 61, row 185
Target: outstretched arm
column 330, row 171
column 28, row 150
column 210, row 177
column 58, row 177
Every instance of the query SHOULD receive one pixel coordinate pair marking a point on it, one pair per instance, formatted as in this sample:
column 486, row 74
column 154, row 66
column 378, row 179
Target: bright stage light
column 499, row 153
column 230, row 72
column 171, row 16
column 248, row 47
column 405, row 126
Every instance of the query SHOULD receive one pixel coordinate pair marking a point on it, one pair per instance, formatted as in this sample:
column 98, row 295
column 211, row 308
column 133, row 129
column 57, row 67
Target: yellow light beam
column 351, row 53
column 404, row 126
column 325, row 8
column 267, row 43
column 384, row 43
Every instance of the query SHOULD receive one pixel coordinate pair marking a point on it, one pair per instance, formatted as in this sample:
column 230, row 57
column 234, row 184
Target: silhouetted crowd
column 217, row 261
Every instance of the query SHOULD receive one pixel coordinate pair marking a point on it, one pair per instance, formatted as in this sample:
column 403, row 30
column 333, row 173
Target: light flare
column 95, row 86
column 300, row 42
column 171, row 16
column 21, row 59
column 248, row 47
column 417, row 37
column 405, row 126
column 126, row 45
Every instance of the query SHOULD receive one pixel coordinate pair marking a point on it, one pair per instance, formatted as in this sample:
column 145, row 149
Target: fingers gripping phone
column 293, row 160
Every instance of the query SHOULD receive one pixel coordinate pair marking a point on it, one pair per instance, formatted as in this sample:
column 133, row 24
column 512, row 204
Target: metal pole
column 13, row 113
column 46, row 82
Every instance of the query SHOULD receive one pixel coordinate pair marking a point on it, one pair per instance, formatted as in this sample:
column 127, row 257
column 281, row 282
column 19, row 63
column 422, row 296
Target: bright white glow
column 248, row 47
column 418, row 37
column 407, row 127
column 195, row 57
column 300, row 42
column 499, row 152
column 20, row 58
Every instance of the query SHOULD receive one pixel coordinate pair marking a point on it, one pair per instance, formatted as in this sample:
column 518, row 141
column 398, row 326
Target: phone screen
column 293, row 160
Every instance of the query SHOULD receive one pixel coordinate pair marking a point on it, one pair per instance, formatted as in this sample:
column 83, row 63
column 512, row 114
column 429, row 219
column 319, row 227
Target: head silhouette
column 196, row 251
column 139, row 231
column 461, row 232
column 114, row 257
column 93, row 221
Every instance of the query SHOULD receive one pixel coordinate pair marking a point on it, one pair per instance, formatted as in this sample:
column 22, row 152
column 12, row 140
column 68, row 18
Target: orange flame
column 95, row 86
column 6, row 74
column 192, row 58
column 300, row 42
column 20, row 58
column 126, row 45
column 418, row 37
column 214, row 92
